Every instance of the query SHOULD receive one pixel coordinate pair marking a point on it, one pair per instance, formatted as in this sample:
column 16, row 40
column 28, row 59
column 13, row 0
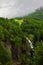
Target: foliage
column 5, row 58
column 13, row 44
column 38, row 55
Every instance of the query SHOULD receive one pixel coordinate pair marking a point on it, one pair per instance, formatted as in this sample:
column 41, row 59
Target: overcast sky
column 13, row 8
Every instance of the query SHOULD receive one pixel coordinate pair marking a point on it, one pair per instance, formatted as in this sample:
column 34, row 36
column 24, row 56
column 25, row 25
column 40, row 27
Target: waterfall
column 31, row 45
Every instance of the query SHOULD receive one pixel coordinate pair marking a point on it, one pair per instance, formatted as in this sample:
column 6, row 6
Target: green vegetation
column 14, row 49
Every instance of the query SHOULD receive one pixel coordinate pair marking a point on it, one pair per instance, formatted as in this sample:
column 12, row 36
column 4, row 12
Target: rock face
column 16, row 52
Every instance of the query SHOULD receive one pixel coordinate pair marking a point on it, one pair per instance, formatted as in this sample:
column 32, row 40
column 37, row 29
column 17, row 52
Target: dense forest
column 14, row 48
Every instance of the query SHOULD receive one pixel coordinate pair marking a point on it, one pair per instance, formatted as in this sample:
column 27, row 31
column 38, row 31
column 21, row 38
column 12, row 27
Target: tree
column 5, row 58
column 38, row 55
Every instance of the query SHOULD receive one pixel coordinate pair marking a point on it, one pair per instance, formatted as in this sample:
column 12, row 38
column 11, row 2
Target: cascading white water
column 31, row 45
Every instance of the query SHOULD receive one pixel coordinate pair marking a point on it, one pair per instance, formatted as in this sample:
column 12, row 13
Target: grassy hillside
column 33, row 17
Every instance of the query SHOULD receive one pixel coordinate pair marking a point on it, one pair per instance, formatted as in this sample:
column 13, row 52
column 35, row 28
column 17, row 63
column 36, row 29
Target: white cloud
column 13, row 8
